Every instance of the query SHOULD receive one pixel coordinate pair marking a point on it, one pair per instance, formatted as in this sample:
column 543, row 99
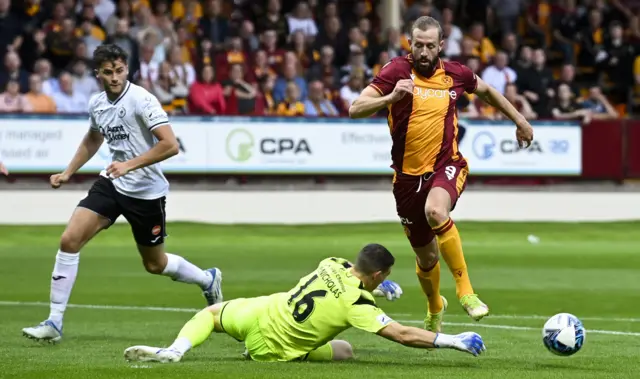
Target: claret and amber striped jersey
column 424, row 127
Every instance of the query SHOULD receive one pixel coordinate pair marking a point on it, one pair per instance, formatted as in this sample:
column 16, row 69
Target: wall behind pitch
column 313, row 207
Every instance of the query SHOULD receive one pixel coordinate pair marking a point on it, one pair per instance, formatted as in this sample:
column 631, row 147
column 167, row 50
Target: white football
column 563, row 334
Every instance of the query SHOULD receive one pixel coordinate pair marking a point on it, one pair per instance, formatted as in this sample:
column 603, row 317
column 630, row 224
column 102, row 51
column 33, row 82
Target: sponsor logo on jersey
column 384, row 320
column 114, row 133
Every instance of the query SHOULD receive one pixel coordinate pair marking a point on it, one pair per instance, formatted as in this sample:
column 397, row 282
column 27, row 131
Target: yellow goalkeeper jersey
column 322, row 305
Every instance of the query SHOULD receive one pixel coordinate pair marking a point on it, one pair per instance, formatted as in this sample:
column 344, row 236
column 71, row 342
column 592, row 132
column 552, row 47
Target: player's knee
column 427, row 256
column 153, row 266
column 342, row 350
column 436, row 214
column 70, row 242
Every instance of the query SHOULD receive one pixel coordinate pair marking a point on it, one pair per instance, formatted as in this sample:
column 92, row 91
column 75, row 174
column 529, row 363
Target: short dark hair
column 426, row 22
column 374, row 257
column 108, row 53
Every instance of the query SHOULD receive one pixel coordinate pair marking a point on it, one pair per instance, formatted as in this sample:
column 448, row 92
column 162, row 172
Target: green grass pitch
column 590, row 270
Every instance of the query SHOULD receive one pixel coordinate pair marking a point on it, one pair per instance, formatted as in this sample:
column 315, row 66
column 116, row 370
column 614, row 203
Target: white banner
column 247, row 145
column 492, row 149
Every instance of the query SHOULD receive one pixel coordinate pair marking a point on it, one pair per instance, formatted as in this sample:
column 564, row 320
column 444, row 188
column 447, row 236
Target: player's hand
column 57, row 180
column 3, row 169
column 403, row 87
column 390, row 290
column 524, row 134
column 117, row 169
column 469, row 342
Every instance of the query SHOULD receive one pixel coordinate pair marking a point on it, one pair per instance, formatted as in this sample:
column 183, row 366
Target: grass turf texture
column 590, row 270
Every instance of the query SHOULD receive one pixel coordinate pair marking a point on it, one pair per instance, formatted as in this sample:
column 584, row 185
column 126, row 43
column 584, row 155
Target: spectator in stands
column 510, row 46
column 482, row 46
column 171, row 93
column 275, row 55
column 14, row 71
column 10, row 29
column 291, row 106
column 91, row 33
column 84, row 82
column 213, row 26
column 206, row 96
column 499, row 74
column 61, row 44
column 302, row 51
column 273, row 20
column 249, row 40
column 265, row 104
column 234, row 54
column 357, row 42
column 301, row 20
column 519, row 102
column 452, row 33
column 467, row 51
column 566, row 108
column 537, row 83
column 40, row 103
column 33, row 46
column 539, row 16
column 357, row 64
column 261, row 66
column 565, row 27
column 599, row 105
column 317, row 105
column 181, row 71
column 123, row 39
column 383, row 59
column 524, row 62
column 240, row 95
column 148, row 68
column 67, row 100
column 333, row 36
column 567, row 76
column 392, row 43
column 617, row 62
column 123, row 11
column 12, row 101
column 50, row 85
column 506, row 13
column 351, row 90
column 591, row 44
column 290, row 74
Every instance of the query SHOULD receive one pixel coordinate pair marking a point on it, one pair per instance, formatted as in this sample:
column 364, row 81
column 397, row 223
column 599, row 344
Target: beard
column 425, row 68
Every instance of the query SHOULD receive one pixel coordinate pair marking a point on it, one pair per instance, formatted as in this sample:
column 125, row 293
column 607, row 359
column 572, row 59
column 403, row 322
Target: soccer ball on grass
column 563, row 334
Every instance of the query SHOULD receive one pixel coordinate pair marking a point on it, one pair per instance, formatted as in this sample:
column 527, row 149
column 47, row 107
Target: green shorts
column 240, row 319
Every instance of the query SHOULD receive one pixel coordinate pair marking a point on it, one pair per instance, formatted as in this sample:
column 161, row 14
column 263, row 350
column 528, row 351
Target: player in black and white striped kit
column 139, row 136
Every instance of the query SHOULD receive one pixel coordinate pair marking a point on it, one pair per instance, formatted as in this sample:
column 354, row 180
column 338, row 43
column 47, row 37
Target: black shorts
column 146, row 217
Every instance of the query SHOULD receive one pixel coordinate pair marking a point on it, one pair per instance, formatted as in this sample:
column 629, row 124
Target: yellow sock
column 430, row 283
column 450, row 247
column 198, row 329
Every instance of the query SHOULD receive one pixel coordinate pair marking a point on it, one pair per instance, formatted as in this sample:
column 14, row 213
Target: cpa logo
column 239, row 145
column 484, row 145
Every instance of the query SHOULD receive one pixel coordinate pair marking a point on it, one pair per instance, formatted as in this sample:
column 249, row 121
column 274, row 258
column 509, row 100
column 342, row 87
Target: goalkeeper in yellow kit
column 301, row 324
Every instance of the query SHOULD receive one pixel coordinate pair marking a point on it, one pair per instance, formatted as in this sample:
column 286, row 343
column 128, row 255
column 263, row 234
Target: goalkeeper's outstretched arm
column 423, row 339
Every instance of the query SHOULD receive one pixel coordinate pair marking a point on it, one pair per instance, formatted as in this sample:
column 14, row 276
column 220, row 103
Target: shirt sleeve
column 385, row 81
column 364, row 314
column 469, row 79
column 93, row 125
column 151, row 113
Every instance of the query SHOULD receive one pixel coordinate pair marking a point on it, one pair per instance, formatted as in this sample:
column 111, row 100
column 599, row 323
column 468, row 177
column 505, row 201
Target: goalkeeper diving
column 300, row 325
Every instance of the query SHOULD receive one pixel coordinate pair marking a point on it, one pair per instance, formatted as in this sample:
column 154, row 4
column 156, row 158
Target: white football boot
column 151, row 354
column 213, row 293
column 46, row 331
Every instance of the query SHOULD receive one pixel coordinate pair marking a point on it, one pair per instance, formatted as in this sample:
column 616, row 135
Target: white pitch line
column 191, row 310
column 541, row 317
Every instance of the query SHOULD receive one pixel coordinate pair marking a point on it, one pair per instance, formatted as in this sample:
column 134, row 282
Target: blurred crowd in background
column 563, row 59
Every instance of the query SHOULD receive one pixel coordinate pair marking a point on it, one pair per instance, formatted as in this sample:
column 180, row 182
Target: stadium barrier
column 319, row 207
column 236, row 145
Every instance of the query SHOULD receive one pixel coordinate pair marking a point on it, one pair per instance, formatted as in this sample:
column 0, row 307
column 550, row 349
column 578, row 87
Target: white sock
column 64, row 275
column 181, row 345
column 181, row 270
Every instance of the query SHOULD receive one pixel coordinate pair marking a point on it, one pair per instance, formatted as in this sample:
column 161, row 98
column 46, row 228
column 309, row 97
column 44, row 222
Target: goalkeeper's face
column 374, row 280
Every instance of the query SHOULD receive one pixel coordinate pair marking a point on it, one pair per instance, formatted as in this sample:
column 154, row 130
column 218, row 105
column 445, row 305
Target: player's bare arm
column 424, row 339
column 166, row 148
column 524, row 131
column 87, row 149
column 371, row 101
column 3, row 169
